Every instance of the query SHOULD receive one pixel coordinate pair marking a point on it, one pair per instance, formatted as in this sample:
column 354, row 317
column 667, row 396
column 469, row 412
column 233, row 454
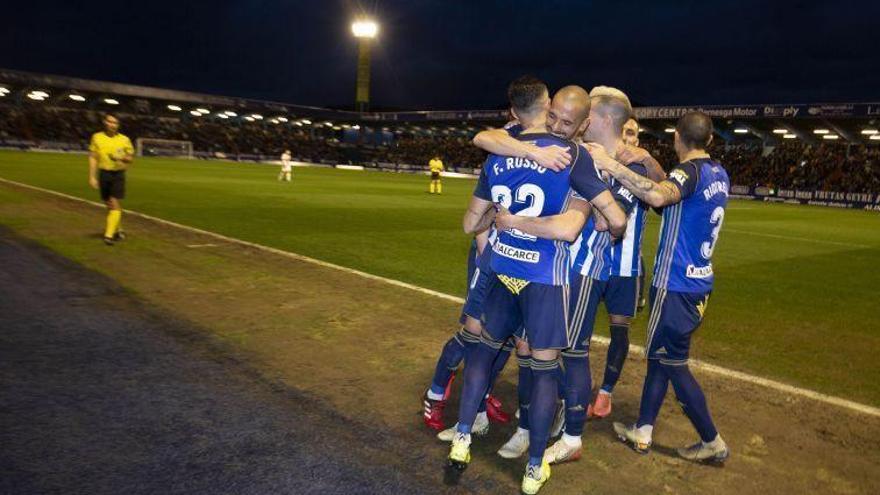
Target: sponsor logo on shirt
column 698, row 271
column 679, row 176
column 517, row 254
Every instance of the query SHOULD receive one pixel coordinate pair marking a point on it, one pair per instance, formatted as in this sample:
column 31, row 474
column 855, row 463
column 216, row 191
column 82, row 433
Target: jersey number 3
column 708, row 247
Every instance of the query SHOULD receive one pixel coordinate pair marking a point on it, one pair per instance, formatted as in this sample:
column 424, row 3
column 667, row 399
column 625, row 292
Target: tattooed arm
column 654, row 194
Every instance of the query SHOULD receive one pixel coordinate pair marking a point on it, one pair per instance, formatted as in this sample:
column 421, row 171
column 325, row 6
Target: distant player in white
column 286, row 166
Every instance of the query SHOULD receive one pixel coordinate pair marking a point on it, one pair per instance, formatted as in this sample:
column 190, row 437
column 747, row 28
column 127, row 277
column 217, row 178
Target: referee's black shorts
column 435, row 175
column 112, row 184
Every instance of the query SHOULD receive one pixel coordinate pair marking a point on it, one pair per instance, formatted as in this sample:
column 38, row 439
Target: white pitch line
column 633, row 349
column 200, row 245
column 799, row 239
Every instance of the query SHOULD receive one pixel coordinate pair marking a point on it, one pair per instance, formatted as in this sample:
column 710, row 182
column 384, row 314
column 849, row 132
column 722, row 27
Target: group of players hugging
column 558, row 215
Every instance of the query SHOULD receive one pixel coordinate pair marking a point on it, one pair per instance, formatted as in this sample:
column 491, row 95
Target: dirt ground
column 101, row 394
column 365, row 350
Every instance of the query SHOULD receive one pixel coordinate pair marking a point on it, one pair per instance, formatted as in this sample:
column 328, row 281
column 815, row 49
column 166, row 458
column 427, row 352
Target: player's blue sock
column 524, row 389
column 499, row 364
column 560, row 382
column 451, row 356
column 653, row 393
column 578, row 387
column 617, row 352
column 476, row 381
column 497, row 367
column 542, row 407
column 692, row 400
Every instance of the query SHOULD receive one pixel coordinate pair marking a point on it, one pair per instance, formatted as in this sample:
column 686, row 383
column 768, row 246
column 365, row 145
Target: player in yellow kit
column 110, row 154
column 436, row 166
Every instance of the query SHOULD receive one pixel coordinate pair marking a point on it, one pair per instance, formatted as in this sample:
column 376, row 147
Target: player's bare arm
column 634, row 154
column 479, row 216
column 93, row 170
column 605, row 204
column 499, row 142
column 482, row 239
column 565, row 226
column 653, row 193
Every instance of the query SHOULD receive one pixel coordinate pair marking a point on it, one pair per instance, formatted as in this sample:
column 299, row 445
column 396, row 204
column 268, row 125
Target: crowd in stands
column 790, row 165
column 793, row 165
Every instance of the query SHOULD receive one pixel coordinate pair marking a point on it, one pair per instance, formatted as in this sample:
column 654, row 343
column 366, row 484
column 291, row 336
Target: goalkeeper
column 110, row 154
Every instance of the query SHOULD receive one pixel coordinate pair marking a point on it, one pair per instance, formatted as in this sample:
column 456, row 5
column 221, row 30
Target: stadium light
column 174, row 108
column 821, row 131
column 36, row 97
column 306, row 121
column 4, row 90
column 364, row 28
column 274, row 121
column 670, row 130
column 230, row 113
column 328, row 124
column 869, row 132
column 875, row 137
column 111, row 101
column 298, row 124
column 223, row 116
column 830, row 136
column 256, row 116
column 741, row 131
column 356, row 127
column 39, row 93
column 789, row 136
column 195, row 113
column 281, row 119
column 780, row 131
column 203, row 111
column 249, row 118
column 75, row 97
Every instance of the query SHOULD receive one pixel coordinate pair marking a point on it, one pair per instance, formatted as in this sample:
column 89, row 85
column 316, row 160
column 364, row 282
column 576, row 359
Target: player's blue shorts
column 622, row 296
column 619, row 293
column 675, row 316
column 473, row 305
column 541, row 310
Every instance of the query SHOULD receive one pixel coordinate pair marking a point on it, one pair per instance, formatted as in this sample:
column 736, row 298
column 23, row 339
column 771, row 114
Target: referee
column 436, row 166
column 110, row 153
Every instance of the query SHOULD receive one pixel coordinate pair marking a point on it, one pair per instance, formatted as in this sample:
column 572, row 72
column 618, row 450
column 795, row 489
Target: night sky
column 460, row 54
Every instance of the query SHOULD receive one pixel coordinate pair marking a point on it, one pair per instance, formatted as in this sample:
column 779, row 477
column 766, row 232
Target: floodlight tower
column 365, row 31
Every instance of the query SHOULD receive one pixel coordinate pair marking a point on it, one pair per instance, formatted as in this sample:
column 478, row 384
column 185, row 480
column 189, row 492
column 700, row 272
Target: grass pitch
column 796, row 290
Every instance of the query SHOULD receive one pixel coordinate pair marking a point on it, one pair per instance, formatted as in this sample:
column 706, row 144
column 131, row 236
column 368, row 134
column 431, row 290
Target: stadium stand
column 52, row 112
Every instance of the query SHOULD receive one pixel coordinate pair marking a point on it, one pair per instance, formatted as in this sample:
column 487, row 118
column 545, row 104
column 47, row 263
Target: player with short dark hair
column 693, row 201
column 567, row 117
column 530, row 285
column 110, row 154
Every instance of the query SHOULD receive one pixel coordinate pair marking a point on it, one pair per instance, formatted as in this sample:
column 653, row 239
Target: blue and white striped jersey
column 690, row 227
column 594, row 255
column 626, row 252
